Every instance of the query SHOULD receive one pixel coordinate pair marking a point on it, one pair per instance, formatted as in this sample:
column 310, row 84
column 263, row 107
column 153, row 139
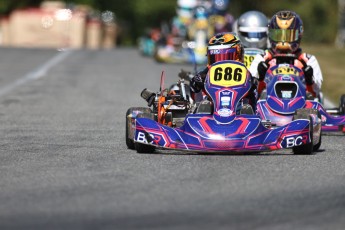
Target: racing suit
column 308, row 63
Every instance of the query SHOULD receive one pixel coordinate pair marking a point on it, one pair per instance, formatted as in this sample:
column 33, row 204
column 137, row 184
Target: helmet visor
column 281, row 35
column 257, row 35
column 216, row 55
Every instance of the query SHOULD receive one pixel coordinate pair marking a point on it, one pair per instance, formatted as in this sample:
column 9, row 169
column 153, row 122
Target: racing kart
column 286, row 92
column 228, row 127
column 190, row 50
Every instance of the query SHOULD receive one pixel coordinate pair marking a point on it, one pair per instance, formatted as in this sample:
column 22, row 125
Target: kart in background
column 193, row 48
column 286, row 93
column 229, row 127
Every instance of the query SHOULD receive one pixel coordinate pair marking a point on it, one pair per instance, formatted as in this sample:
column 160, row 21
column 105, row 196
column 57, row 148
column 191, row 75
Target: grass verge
column 332, row 63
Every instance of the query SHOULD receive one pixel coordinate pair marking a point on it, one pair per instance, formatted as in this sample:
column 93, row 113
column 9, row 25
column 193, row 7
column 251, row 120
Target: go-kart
column 182, row 52
column 228, row 127
column 190, row 50
column 286, row 92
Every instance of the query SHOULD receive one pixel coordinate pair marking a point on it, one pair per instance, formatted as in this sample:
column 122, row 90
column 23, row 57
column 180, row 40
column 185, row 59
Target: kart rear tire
column 130, row 142
column 342, row 105
column 318, row 145
column 308, row 148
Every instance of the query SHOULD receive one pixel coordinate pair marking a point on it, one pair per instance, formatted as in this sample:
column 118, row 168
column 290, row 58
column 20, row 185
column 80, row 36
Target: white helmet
column 187, row 3
column 252, row 28
column 185, row 8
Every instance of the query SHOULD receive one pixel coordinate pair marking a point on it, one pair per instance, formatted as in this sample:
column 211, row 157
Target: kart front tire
column 306, row 149
column 129, row 142
column 145, row 112
column 318, row 145
column 342, row 105
column 142, row 148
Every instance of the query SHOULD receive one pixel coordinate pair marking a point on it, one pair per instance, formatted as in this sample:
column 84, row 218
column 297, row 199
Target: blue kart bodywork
column 226, row 130
column 286, row 93
column 203, row 134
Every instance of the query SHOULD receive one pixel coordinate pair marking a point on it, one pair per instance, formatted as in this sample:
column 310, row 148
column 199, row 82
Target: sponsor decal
column 293, row 141
column 142, row 137
column 286, row 78
column 281, row 70
column 225, row 101
column 149, row 138
column 286, row 94
column 224, row 112
column 214, row 51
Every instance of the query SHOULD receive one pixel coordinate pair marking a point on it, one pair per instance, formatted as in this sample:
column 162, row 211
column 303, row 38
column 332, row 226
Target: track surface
column 64, row 163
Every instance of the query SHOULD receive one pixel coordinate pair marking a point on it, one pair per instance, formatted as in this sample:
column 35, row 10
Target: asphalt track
column 64, row 163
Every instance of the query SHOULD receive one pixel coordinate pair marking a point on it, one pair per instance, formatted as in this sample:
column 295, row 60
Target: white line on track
column 40, row 72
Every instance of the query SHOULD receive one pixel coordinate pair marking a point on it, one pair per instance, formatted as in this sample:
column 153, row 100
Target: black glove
column 197, row 84
column 262, row 69
column 308, row 74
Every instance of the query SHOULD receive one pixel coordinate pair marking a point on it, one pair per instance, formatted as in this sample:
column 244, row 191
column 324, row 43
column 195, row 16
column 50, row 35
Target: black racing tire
column 342, row 105
column 308, row 148
column 318, row 145
column 129, row 141
column 145, row 148
column 142, row 148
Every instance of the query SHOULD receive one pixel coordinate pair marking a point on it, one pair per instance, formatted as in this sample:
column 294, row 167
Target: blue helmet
column 220, row 6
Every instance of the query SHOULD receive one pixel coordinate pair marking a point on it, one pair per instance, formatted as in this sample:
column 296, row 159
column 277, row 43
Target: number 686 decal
column 228, row 74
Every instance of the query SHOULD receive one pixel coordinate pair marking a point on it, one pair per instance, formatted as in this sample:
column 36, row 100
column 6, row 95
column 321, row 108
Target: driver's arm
column 253, row 68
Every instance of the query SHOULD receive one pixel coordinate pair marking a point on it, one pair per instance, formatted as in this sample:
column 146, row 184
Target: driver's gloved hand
column 262, row 69
column 196, row 84
column 308, row 74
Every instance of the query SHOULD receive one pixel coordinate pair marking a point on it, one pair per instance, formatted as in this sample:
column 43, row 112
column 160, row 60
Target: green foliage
column 150, row 13
column 320, row 17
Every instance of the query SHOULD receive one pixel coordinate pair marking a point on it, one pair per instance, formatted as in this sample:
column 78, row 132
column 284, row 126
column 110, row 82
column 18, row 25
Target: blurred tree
column 340, row 39
column 7, row 6
column 320, row 17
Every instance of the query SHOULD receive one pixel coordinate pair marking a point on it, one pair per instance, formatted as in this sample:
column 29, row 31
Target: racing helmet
column 220, row 6
column 252, row 28
column 200, row 12
column 285, row 31
column 224, row 46
column 185, row 10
